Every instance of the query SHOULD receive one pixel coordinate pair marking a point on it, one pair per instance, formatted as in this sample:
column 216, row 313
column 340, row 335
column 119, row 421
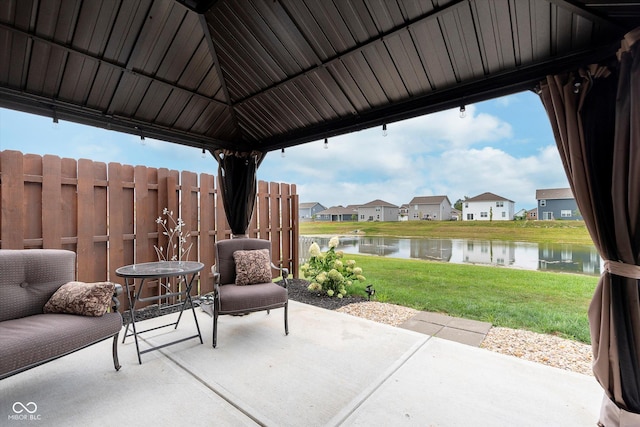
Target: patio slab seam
column 228, row 397
column 359, row 400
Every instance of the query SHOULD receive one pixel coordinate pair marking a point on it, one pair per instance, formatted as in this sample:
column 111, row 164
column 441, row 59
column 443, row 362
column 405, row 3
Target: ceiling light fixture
column 282, row 153
column 384, row 129
column 463, row 112
column 203, row 155
column 326, row 143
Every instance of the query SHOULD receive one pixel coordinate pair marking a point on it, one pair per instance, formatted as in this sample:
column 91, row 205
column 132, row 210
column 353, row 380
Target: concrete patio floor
column 333, row 369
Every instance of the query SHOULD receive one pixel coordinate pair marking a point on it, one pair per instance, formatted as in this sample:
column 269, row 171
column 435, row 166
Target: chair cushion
column 257, row 297
column 86, row 299
column 252, row 266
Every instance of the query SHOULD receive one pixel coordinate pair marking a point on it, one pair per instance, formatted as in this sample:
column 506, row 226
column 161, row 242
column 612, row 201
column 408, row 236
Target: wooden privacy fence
column 107, row 214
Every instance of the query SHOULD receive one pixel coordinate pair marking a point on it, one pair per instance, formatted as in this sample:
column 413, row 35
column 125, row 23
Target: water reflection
column 582, row 259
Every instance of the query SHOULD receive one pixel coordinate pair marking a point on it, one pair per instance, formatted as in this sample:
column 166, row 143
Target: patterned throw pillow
column 86, row 299
column 252, row 267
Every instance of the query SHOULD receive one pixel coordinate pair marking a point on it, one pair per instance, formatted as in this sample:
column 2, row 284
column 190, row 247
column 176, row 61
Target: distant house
column 557, row 203
column 532, row 214
column 308, row 210
column 521, row 214
column 430, row 207
column 487, row 207
column 378, row 210
column 456, row 215
column 338, row 214
column 403, row 213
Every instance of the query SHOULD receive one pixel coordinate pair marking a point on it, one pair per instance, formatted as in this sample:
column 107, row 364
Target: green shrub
column 327, row 271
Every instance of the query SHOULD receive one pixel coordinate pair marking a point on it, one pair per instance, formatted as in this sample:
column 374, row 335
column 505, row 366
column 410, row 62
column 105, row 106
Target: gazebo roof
column 265, row 75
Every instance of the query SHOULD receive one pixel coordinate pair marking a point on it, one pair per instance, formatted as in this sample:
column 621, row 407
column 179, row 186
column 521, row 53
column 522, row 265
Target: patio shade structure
column 252, row 76
column 595, row 115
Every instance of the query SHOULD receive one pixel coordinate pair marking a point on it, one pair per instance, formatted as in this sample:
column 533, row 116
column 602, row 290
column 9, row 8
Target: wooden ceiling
column 268, row 74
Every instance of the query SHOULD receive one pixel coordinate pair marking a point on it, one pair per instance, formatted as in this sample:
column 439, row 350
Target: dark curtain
column 595, row 115
column 237, row 182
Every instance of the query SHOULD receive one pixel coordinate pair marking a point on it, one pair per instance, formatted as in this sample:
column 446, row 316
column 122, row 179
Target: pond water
column 582, row 259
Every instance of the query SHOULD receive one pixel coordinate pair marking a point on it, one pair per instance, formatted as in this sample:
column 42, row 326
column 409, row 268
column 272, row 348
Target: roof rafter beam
column 216, row 63
column 111, row 64
column 35, row 104
column 434, row 14
column 501, row 84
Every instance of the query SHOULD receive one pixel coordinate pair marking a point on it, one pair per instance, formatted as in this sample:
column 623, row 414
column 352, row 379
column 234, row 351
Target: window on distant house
column 470, row 217
column 361, row 216
column 499, row 204
column 543, row 203
column 504, row 214
column 483, row 215
column 565, row 213
column 415, row 207
column 378, row 209
column 466, row 205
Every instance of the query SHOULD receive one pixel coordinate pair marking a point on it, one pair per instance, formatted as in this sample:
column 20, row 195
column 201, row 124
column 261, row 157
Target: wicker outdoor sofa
column 38, row 292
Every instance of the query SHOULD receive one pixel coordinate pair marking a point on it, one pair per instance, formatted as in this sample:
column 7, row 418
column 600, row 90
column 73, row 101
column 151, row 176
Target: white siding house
column 487, row 207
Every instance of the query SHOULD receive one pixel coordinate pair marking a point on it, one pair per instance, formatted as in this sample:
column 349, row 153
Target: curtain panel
column 237, row 178
column 595, row 116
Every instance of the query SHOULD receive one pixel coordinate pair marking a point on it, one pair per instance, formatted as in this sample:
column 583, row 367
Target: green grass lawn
column 549, row 303
column 573, row 232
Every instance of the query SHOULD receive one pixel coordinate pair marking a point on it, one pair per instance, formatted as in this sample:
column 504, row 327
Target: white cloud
column 420, row 156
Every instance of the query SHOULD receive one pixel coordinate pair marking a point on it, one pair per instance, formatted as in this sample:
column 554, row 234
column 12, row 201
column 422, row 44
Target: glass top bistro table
column 187, row 270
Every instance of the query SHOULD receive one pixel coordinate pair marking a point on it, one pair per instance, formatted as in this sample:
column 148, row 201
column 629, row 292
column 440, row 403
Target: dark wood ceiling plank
column 386, row 74
column 365, row 78
column 201, row 69
column 152, row 102
column 349, row 86
column 103, row 88
column 158, row 30
column 462, row 44
column 130, row 21
column 357, row 49
column 327, row 86
column 183, row 47
column 407, row 61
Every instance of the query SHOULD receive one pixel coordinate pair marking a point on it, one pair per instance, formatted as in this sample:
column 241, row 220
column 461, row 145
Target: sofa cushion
column 32, row 340
column 86, row 299
column 29, row 278
column 252, row 267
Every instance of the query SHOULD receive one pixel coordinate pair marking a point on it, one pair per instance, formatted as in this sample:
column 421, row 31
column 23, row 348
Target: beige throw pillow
column 86, row 299
column 252, row 267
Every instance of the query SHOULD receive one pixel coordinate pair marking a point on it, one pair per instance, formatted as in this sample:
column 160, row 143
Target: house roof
column 554, row 193
column 265, row 75
column 428, row 200
column 487, row 197
column 308, row 205
column 338, row 210
column 376, row 203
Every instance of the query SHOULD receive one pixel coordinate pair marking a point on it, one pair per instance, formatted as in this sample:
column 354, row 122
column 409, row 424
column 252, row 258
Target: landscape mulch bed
column 297, row 292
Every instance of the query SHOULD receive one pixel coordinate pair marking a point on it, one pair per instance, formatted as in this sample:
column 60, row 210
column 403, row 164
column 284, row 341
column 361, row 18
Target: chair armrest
column 114, row 298
column 216, row 279
column 284, row 271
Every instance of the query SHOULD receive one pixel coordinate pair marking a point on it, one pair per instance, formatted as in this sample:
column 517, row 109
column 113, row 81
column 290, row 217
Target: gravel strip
column 390, row 314
column 546, row 349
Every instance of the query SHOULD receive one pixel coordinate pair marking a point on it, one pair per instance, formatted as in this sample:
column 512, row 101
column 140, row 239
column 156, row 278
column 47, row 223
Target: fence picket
column 106, row 213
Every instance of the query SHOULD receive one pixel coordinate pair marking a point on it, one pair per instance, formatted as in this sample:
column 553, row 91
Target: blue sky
column 504, row 146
